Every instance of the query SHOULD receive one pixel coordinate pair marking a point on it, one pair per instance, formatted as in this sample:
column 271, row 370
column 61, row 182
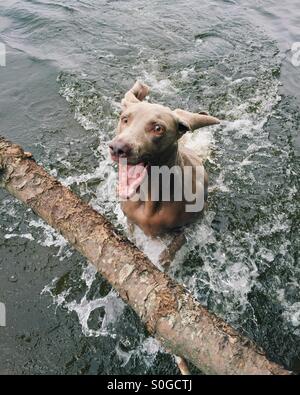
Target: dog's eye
column 124, row 119
column 158, row 128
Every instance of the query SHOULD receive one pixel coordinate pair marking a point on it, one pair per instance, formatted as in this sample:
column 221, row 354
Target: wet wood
column 168, row 310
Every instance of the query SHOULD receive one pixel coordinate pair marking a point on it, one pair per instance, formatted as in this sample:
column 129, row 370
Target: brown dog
column 148, row 138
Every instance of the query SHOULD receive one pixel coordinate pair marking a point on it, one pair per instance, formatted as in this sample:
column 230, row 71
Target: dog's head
column 147, row 133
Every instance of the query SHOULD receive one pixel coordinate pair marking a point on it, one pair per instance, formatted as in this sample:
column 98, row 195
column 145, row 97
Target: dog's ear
column 136, row 94
column 183, row 127
column 193, row 120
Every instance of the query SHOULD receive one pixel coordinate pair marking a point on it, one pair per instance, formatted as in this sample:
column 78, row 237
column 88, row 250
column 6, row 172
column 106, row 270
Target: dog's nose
column 120, row 149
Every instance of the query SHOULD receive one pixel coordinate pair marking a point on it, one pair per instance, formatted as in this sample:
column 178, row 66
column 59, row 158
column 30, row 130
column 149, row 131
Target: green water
column 68, row 64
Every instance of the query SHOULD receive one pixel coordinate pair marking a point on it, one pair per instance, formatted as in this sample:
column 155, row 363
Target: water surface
column 68, row 64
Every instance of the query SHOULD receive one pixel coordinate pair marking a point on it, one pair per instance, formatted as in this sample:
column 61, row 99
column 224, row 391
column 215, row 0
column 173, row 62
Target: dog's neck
column 170, row 158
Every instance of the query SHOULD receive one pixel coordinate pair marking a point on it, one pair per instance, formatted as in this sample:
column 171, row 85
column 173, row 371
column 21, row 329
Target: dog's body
column 149, row 135
column 157, row 217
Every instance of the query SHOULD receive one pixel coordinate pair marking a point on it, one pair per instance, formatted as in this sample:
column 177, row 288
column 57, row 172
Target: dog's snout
column 120, row 149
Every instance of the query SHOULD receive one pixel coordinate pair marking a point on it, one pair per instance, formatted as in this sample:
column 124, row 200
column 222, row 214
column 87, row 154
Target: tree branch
column 167, row 309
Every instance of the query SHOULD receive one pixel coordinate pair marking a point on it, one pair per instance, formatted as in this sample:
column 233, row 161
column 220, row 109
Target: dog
column 149, row 136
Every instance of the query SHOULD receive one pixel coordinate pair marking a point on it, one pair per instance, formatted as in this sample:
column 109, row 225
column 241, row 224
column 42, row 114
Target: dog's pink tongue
column 130, row 178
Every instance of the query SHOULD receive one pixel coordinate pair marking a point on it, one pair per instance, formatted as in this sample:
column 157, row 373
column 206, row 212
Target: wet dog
column 149, row 140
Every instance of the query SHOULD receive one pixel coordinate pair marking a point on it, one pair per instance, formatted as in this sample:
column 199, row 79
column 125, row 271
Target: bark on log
column 168, row 310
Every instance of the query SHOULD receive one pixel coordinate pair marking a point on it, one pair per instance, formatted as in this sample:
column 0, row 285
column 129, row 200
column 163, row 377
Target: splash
column 239, row 261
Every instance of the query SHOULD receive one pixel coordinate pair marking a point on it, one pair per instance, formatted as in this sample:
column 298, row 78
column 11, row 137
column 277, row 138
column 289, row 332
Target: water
column 68, row 64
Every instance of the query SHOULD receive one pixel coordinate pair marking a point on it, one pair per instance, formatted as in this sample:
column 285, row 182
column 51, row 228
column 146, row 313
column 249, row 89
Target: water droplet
column 13, row 278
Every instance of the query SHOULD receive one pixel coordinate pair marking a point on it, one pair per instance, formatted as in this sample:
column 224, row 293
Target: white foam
column 201, row 141
column 89, row 275
column 51, row 238
column 112, row 305
column 147, row 350
column 152, row 77
column 20, row 235
column 187, row 73
column 291, row 311
column 230, row 271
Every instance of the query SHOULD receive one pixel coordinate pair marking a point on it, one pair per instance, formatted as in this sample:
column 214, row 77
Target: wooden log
column 167, row 309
